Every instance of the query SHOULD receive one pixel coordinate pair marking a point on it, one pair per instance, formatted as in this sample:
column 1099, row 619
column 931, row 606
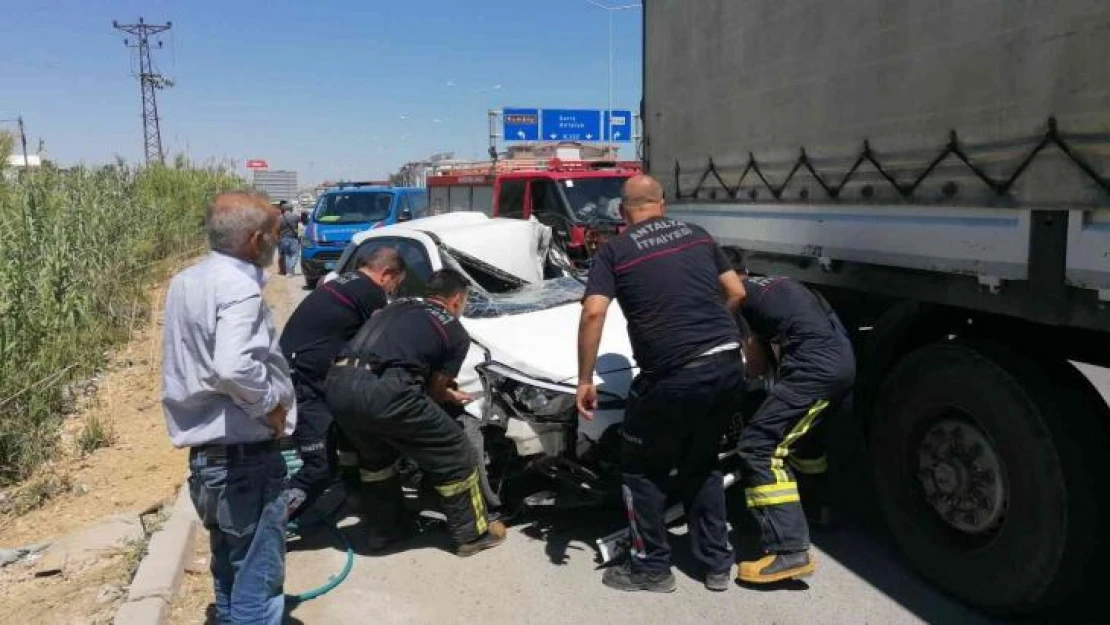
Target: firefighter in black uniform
column 385, row 390
column 323, row 322
column 816, row 373
column 679, row 294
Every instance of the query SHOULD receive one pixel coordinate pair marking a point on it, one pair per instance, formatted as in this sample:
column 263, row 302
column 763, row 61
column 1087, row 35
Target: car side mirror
column 405, row 215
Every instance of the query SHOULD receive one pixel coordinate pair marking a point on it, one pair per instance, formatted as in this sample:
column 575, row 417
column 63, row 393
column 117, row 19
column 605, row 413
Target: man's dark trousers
column 315, row 442
column 676, row 420
column 389, row 414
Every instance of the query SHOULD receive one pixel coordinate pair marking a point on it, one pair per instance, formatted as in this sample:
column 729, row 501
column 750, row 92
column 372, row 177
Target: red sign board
column 257, row 164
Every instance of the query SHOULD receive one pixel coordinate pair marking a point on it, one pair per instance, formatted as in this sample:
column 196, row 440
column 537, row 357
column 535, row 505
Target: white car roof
column 517, row 246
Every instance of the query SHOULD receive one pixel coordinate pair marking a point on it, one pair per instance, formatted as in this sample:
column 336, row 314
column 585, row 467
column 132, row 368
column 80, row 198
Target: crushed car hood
column 544, row 344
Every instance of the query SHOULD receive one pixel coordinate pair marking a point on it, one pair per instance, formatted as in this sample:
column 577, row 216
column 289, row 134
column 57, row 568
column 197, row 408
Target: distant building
column 415, row 173
column 565, row 150
column 16, row 160
column 277, row 184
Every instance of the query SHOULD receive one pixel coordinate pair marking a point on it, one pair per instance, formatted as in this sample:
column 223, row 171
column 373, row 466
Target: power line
column 150, row 81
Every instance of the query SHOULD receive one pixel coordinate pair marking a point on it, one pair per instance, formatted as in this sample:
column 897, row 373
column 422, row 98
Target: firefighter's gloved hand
column 294, row 497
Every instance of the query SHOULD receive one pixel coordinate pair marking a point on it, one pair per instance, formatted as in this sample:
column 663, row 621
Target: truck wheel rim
column 961, row 476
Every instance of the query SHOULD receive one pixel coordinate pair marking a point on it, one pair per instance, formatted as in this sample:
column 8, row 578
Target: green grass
column 95, row 434
column 78, row 249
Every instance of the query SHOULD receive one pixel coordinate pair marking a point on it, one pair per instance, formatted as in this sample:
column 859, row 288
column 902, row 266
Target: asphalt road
column 546, row 573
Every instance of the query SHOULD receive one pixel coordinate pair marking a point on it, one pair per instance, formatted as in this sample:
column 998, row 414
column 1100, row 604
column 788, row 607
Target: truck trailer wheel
column 979, row 463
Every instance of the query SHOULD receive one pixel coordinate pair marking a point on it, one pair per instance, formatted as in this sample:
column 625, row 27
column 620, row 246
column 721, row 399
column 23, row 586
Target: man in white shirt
column 227, row 396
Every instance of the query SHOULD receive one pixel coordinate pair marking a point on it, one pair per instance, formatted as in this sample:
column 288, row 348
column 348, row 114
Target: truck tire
column 979, row 456
column 310, row 282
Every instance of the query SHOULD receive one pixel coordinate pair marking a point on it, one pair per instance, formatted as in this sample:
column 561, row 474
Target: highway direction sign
column 571, row 125
column 520, row 124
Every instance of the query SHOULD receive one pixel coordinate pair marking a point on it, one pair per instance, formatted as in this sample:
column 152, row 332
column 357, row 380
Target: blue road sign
column 571, row 125
column 520, row 124
column 621, row 126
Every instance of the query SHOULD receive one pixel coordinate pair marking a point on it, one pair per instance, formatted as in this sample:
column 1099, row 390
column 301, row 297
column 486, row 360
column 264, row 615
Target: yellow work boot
column 493, row 537
column 776, row 567
column 498, row 529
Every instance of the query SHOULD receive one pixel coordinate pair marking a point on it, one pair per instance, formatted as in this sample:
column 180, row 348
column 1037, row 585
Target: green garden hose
column 293, row 464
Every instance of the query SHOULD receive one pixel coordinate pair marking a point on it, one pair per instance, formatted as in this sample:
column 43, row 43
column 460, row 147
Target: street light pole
column 609, row 111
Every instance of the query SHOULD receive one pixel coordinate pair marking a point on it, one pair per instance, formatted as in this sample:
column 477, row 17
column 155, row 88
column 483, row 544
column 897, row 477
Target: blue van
column 348, row 209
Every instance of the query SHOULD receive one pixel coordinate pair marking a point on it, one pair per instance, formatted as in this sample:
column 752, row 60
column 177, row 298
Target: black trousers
column 676, row 421
column 389, row 415
column 778, row 441
column 315, row 442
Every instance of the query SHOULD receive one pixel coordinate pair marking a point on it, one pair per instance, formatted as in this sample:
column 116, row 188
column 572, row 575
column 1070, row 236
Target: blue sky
column 339, row 88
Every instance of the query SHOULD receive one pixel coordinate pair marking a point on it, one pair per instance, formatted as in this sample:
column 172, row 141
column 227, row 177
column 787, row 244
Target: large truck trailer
column 940, row 171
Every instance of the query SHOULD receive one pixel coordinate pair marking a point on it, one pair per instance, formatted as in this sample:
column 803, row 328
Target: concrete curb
column 160, row 573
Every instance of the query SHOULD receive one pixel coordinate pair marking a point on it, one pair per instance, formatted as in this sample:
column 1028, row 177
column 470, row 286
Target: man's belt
column 219, row 451
column 373, row 367
column 715, row 357
column 379, row 369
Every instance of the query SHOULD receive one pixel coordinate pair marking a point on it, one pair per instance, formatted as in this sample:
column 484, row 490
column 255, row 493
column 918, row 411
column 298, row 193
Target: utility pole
column 23, row 142
column 150, row 81
column 22, row 137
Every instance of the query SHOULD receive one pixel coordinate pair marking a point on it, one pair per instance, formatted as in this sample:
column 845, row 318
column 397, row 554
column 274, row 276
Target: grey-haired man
column 227, row 396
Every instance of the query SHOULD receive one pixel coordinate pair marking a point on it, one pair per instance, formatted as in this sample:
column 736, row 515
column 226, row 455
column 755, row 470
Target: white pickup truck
column 941, row 172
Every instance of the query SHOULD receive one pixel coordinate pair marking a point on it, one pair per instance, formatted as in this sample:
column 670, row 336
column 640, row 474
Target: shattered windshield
column 529, row 298
column 594, row 199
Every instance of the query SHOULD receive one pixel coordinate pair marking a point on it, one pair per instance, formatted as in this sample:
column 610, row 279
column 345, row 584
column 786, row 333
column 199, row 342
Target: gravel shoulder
column 140, row 470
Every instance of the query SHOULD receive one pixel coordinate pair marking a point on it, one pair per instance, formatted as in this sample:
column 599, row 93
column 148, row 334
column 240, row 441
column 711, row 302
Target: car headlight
column 544, row 402
column 530, row 398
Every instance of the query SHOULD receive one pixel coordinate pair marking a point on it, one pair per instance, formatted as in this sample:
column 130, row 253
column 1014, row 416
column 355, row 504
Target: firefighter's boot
column 776, row 567
column 467, row 522
column 383, row 511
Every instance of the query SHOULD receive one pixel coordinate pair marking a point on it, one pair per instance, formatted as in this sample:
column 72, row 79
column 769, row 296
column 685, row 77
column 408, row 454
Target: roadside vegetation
column 78, row 249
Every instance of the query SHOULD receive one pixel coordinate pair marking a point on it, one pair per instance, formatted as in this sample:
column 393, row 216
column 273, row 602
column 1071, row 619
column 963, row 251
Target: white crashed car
column 522, row 368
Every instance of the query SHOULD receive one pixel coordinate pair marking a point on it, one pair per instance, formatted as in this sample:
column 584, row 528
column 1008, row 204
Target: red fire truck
column 578, row 199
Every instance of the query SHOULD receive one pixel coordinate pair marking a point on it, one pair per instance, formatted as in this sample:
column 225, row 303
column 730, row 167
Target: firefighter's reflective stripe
column 455, row 488
column 783, row 449
column 637, row 546
column 479, row 505
column 347, row 458
column 772, row 494
column 780, row 474
column 472, row 486
column 381, row 475
column 809, row 466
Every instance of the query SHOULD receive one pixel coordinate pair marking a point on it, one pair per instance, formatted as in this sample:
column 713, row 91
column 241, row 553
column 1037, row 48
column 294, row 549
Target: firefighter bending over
column 385, row 392
column 816, row 372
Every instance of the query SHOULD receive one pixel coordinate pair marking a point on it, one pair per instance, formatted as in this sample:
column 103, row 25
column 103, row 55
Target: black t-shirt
column 326, row 320
column 817, row 356
column 418, row 335
column 665, row 275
